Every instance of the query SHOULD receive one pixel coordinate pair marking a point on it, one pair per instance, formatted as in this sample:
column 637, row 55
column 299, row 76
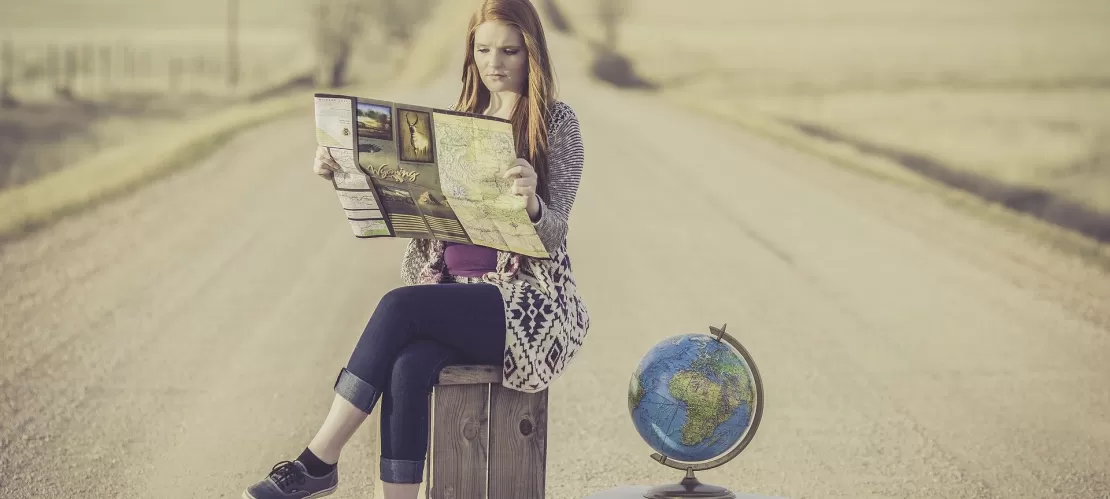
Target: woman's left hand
column 524, row 178
column 524, row 184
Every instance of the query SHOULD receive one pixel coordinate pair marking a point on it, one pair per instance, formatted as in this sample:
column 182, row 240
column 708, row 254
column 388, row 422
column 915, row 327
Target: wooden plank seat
column 485, row 435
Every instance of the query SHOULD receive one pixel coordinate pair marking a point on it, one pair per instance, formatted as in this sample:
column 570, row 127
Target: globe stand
column 689, row 487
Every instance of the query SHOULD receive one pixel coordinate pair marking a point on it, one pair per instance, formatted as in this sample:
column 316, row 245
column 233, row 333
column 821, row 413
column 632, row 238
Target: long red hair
column 531, row 112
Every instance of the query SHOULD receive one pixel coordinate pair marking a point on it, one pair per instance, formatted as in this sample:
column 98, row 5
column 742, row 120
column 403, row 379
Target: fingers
column 520, row 171
column 524, row 178
column 524, row 186
column 324, row 164
column 324, row 157
column 325, row 170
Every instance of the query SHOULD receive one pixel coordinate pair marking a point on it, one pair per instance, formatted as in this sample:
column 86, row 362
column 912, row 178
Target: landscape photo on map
column 417, row 144
column 375, row 120
column 438, row 215
column 404, row 216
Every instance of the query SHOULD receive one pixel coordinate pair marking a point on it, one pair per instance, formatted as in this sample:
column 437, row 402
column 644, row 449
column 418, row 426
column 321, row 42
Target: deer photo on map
column 416, row 141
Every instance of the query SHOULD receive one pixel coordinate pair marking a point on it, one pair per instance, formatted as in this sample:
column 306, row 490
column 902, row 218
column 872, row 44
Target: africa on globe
column 697, row 400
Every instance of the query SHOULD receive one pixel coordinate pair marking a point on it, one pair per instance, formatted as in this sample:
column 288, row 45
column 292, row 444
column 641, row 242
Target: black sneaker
column 290, row 480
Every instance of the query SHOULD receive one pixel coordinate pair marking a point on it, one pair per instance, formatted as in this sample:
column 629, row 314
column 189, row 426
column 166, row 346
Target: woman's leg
column 405, row 411
column 463, row 317
column 405, row 414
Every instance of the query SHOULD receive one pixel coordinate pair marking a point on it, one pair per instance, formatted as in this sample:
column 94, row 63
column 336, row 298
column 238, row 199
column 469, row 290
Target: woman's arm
column 564, row 173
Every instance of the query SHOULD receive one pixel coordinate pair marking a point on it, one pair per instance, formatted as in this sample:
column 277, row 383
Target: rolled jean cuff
column 357, row 391
column 401, row 471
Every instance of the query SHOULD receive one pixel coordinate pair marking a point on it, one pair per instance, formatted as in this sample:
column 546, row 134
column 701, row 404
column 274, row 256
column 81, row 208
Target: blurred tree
column 555, row 16
column 338, row 23
column 610, row 13
column 341, row 24
column 399, row 20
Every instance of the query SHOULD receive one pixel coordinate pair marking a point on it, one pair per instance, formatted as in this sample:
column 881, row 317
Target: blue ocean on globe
column 691, row 397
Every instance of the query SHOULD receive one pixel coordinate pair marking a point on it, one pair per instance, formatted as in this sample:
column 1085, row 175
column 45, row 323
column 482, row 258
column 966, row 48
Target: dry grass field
column 132, row 69
column 115, row 131
column 1009, row 100
column 89, row 76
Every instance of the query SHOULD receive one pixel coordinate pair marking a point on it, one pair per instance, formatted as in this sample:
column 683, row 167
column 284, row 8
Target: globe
column 696, row 399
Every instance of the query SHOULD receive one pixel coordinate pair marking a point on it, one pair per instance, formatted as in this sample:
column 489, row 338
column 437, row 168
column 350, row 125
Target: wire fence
column 36, row 71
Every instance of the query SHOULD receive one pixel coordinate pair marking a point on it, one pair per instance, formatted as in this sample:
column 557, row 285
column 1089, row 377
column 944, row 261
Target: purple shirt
column 464, row 260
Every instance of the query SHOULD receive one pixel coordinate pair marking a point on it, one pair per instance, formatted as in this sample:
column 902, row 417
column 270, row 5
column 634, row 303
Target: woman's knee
column 417, row 366
column 397, row 300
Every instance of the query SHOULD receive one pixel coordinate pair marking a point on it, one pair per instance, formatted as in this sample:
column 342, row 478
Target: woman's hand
column 323, row 164
column 525, row 181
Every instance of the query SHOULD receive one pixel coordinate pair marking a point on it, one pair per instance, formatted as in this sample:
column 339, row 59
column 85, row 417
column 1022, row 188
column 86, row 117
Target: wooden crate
column 486, row 435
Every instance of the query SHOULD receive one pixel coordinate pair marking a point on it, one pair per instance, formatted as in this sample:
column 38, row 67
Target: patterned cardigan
column 545, row 318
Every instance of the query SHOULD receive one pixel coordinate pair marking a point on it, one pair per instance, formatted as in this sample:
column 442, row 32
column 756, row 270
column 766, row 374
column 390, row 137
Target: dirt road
column 179, row 342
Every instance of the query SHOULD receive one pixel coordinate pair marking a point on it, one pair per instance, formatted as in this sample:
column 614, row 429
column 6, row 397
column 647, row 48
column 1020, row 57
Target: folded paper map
column 418, row 172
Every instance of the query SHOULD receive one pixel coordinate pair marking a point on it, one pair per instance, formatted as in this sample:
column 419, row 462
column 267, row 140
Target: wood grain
column 459, row 443
column 518, row 443
column 469, row 374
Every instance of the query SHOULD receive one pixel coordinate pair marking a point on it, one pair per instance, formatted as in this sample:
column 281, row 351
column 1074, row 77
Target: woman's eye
column 483, row 50
column 511, row 51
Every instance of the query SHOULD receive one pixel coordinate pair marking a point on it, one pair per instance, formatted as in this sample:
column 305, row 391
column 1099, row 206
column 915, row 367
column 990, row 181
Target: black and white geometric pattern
column 545, row 318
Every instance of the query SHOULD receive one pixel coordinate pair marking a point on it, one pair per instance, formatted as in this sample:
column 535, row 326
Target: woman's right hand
column 324, row 165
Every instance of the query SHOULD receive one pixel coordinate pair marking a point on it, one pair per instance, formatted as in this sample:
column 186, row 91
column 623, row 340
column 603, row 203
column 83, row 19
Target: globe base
column 689, row 487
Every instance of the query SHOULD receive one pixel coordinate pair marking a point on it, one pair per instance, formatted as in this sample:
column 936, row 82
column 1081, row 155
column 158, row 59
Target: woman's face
column 500, row 57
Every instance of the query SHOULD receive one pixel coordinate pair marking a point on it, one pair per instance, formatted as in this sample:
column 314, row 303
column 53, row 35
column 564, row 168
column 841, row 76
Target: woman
column 464, row 304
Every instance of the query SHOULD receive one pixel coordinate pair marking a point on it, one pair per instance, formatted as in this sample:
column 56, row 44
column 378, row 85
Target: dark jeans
column 415, row 332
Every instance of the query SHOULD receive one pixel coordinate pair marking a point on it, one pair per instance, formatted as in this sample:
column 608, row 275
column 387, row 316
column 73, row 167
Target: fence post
column 232, row 44
column 53, row 72
column 69, row 74
column 7, row 75
column 105, row 68
column 129, row 62
column 175, row 73
column 88, row 68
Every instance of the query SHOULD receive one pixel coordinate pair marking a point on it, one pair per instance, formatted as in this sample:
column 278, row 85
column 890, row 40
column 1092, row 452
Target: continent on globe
column 723, row 364
column 707, row 406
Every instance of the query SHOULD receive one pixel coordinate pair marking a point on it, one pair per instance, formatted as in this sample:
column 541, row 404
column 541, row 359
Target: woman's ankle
column 316, row 465
column 324, row 454
column 401, row 490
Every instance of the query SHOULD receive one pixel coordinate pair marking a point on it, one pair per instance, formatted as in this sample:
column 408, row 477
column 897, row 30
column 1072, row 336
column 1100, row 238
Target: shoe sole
column 322, row 493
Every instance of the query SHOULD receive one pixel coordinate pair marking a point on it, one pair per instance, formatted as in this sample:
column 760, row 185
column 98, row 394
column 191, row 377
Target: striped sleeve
column 566, row 156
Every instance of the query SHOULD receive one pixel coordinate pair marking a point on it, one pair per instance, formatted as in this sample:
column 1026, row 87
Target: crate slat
column 466, row 375
column 518, row 440
column 459, row 453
